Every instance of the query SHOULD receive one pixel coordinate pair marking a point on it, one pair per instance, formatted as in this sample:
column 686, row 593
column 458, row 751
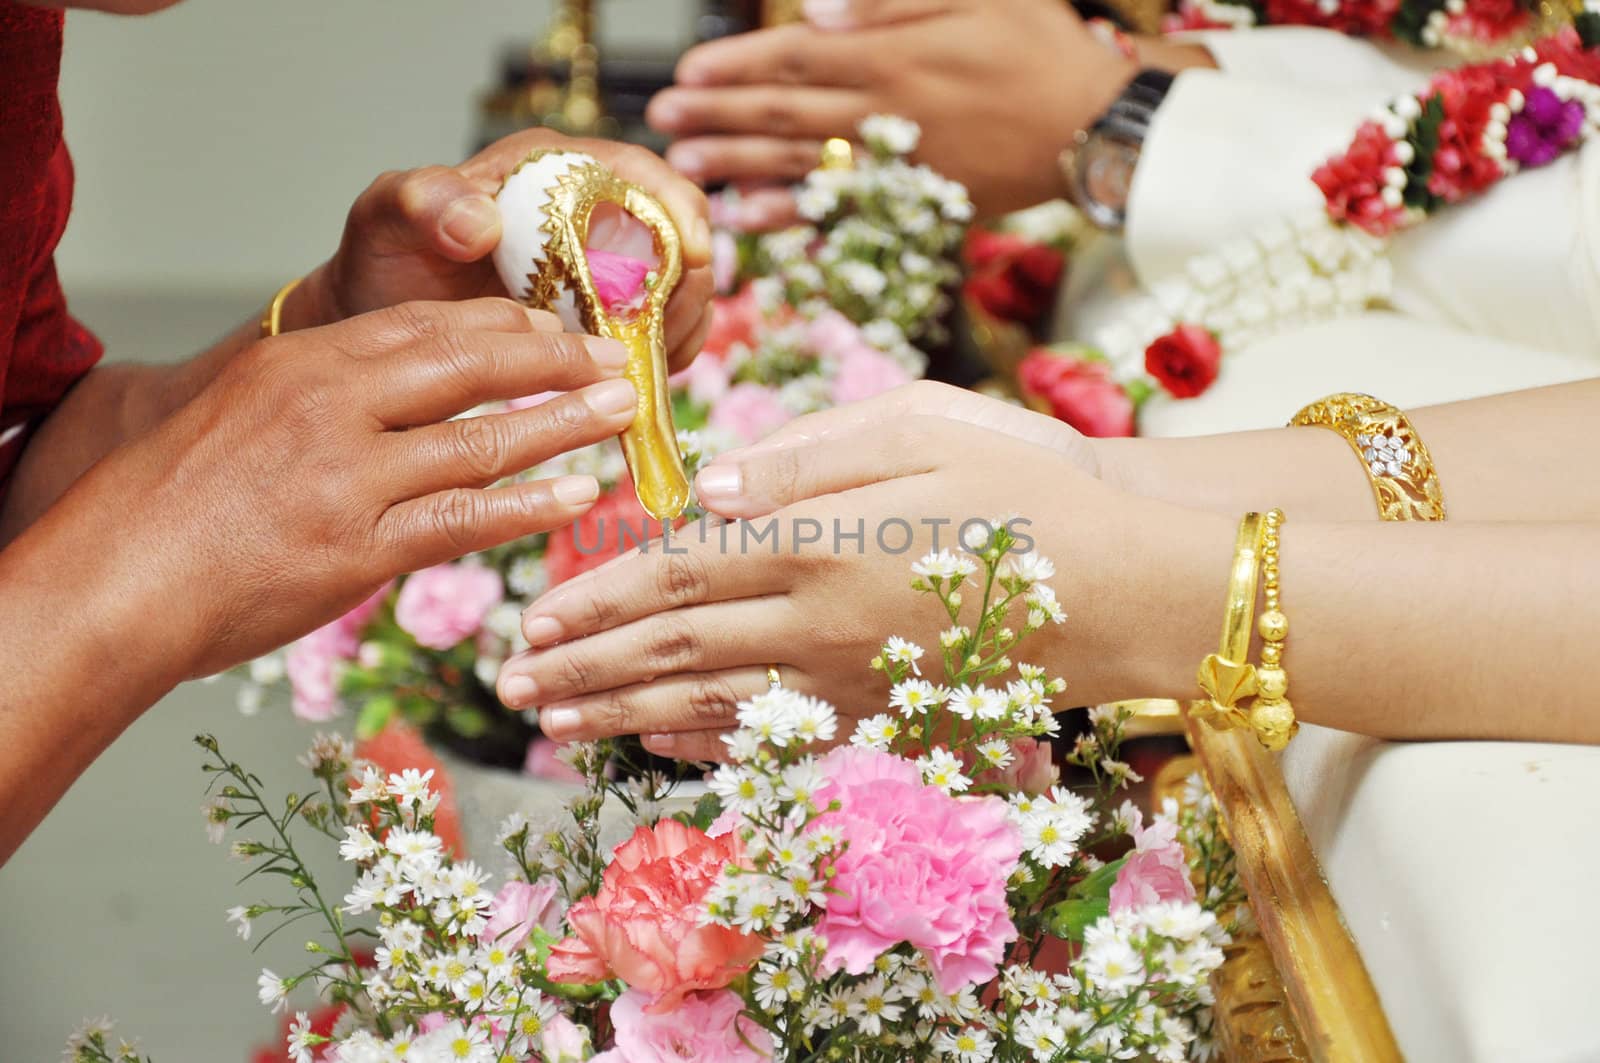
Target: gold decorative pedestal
column 1296, row 990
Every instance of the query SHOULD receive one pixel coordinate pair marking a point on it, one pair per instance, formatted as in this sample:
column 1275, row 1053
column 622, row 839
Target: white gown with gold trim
column 1466, row 870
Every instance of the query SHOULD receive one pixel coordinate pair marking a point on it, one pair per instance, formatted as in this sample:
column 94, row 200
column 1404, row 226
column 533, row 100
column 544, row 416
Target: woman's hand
column 666, row 642
column 429, row 234
column 927, row 398
column 1000, row 87
column 320, row 464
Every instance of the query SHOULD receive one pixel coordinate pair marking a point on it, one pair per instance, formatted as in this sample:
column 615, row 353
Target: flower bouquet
column 825, row 312
column 926, row 891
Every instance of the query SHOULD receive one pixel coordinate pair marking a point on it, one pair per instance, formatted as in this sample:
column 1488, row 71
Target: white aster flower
column 240, row 916
column 272, row 991
column 890, row 133
column 410, row 786
column 742, row 791
column 876, row 732
column 457, row 1042
column 1042, row 603
column 872, row 1005
column 359, row 846
column 1112, row 964
column 915, row 696
column 903, row 651
column 978, row 702
column 301, row 1039
column 371, row 788
column 972, row 1044
column 940, row 768
column 996, row 752
column 1028, row 568
column 944, row 565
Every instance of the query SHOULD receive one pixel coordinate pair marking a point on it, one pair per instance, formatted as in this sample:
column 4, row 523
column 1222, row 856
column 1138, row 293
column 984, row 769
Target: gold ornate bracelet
column 1398, row 463
column 272, row 317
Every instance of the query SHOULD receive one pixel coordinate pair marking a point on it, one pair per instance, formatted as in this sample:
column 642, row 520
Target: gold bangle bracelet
column 1397, row 462
column 1227, row 675
column 272, row 317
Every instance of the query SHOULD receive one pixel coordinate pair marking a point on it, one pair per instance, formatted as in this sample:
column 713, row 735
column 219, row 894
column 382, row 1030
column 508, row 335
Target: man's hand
column 322, row 463
column 429, row 234
column 1000, row 87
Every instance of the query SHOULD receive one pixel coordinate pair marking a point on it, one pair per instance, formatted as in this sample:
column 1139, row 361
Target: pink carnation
column 920, row 867
column 1156, row 869
column 705, row 1026
column 517, row 909
column 750, row 412
column 860, row 369
column 314, row 662
column 442, row 605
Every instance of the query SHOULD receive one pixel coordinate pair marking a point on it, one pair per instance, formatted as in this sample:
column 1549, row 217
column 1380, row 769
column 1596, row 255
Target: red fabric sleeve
column 43, row 351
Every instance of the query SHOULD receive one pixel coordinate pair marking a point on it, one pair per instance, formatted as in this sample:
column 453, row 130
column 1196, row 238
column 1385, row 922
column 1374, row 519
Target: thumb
column 431, row 209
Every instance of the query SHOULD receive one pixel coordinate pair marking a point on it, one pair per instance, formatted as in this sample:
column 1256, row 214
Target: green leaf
column 1097, row 884
column 1588, row 26
column 467, row 721
column 1072, row 917
column 705, row 812
column 375, row 715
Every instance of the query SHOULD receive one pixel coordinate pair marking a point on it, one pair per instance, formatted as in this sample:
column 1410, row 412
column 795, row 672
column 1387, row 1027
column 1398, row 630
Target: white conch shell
column 523, row 255
column 546, row 208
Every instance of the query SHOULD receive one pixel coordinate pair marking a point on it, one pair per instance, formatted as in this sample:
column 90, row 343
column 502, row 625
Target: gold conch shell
column 545, row 206
column 1225, row 682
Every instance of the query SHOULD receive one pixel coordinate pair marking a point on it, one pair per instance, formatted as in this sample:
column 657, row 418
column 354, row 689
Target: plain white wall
column 220, row 143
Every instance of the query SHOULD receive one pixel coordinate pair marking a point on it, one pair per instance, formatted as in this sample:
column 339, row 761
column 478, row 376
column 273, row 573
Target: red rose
column 1079, row 391
column 643, row 926
column 1184, row 361
column 1011, row 278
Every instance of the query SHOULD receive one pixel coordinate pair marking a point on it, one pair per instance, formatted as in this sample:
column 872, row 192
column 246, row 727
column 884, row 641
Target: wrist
column 314, row 301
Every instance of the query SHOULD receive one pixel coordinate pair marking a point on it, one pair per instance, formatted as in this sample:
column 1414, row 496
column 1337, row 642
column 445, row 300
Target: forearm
column 82, row 655
column 1514, row 457
column 115, row 403
column 1416, row 631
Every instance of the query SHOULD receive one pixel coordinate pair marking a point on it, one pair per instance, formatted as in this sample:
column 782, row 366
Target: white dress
column 1466, row 870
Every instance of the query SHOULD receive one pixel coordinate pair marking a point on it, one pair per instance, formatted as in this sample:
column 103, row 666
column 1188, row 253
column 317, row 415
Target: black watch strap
column 1129, row 117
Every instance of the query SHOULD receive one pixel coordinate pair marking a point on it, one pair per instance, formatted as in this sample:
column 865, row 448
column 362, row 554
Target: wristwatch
column 1099, row 164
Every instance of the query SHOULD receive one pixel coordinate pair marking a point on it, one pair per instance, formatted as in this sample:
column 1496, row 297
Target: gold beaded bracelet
column 1396, row 460
column 272, row 316
column 1272, row 717
column 1227, row 677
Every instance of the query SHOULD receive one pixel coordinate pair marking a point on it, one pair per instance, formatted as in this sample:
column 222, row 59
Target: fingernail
column 552, row 721
column 826, row 13
column 541, row 630
column 468, row 221
column 576, row 490
column 518, row 690
column 663, row 744
column 611, row 398
column 607, row 353
column 718, row 482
